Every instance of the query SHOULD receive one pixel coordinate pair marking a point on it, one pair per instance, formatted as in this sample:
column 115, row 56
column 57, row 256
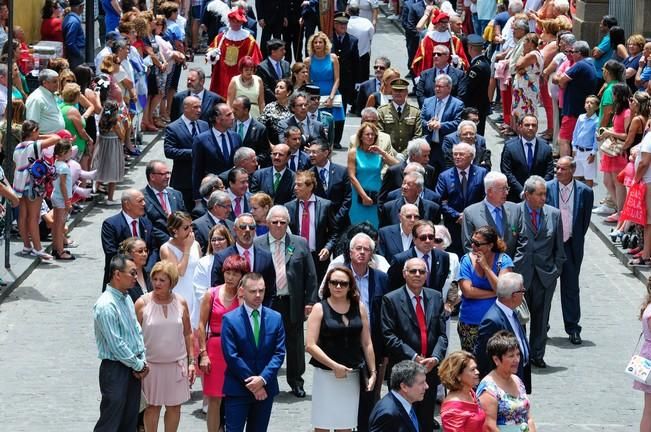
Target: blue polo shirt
column 583, row 84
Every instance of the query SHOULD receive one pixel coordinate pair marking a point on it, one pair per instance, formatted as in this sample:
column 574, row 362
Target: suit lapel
column 397, row 239
column 156, row 201
column 408, row 307
column 218, row 148
column 429, row 308
column 288, row 248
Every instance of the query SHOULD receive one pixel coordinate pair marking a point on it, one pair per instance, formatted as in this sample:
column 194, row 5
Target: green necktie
column 240, row 130
column 256, row 325
column 276, row 181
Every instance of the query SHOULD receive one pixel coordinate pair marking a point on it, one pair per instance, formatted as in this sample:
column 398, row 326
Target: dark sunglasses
column 477, row 243
column 244, row 227
column 379, row 67
column 439, row 54
column 438, row 240
column 335, row 283
column 417, row 271
column 425, row 237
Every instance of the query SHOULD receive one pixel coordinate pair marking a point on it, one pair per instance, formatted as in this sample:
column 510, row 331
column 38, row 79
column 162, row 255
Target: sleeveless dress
column 368, row 167
column 184, row 286
column 462, row 416
column 645, row 351
column 70, row 127
column 335, row 400
column 526, row 88
column 512, row 411
column 167, row 382
column 213, row 382
column 323, row 75
column 616, row 163
column 108, row 159
column 251, row 92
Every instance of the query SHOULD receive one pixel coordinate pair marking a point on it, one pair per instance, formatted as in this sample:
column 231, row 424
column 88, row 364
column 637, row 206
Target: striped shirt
column 117, row 332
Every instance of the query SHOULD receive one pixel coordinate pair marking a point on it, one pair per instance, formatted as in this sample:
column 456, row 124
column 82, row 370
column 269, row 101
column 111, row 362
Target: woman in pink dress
column 645, row 351
column 216, row 302
column 460, row 411
column 167, row 333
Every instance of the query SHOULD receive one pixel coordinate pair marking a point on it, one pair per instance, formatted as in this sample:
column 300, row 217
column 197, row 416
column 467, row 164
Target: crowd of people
column 249, row 247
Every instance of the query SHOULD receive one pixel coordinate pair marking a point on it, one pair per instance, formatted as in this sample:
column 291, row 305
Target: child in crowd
column 584, row 142
column 61, row 202
column 108, row 159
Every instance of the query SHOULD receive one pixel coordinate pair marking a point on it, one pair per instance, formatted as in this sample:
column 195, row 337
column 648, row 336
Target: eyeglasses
column 132, row 273
column 361, row 249
column 379, row 67
column 244, row 227
column 411, row 216
column 278, row 222
column 425, row 237
column 439, row 54
column 336, row 283
column 522, row 291
column 218, row 239
column 477, row 243
column 438, row 240
column 416, row 271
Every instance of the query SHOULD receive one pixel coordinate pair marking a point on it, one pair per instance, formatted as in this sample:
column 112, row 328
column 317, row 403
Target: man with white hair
column 495, row 211
column 503, row 316
column 296, row 285
column 460, row 187
column 467, row 132
column 412, row 188
column 418, row 151
column 397, row 238
column 425, row 85
column 41, row 105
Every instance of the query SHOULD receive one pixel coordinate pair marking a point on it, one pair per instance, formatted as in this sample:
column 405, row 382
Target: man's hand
column 260, row 394
column 262, row 23
column 429, row 363
column 324, row 254
column 460, row 218
column 254, row 384
column 308, row 310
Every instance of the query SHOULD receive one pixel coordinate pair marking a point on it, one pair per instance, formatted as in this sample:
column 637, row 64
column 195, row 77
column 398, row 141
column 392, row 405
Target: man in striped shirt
column 121, row 347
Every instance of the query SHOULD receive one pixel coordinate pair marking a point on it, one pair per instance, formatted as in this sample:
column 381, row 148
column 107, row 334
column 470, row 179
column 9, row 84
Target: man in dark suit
column 477, row 80
column 438, row 262
column 574, row 200
column 310, row 129
column 178, row 146
column 412, row 188
column 344, row 45
column 195, row 84
column 130, row 222
column 209, row 184
column 502, row 316
column 298, row 159
column 244, row 158
column 238, row 191
column 272, row 15
column 277, row 181
column 213, row 150
column 313, row 218
column 253, row 340
column 495, row 211
column 418, row 150
column 413, row 325
column 218, row 211
column 440, row 116
column 467, row 132
column 332, row 181
column 371, row 86
column 395, row 412
column 259, row 260
column 524, row 156
column 397, row 238
column 296, row 289
column 273, row 68
column 160, row 200
column 460, row 187
column 252, row 133
column 425, row 86
column 539, row 258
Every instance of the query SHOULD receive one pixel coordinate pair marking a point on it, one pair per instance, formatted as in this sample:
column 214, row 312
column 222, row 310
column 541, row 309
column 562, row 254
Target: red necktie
column 238, row 209
column 247, row 257
column 534, row 221
column 420, row 317
column 163, row 204
column 305, row 221
column 134, row 228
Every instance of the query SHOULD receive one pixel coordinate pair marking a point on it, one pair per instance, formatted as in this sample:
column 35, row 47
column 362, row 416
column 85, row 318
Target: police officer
column 477, row 80
column 398, row 118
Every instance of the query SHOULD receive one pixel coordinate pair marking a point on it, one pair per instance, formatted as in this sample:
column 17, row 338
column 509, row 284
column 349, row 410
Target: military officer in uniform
column 477, row 80
column 398, row 118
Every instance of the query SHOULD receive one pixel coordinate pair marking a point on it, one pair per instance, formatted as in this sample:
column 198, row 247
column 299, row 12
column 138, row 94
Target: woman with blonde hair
column 74, row 121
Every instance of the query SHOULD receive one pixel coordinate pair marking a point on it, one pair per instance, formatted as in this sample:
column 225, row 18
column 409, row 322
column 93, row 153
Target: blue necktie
column 227, row 156
column 498, row 221
column 194, row 129
column 279, row 71
column 414, row 419
column 322, row 174
column 292, row 163
column 529, row 156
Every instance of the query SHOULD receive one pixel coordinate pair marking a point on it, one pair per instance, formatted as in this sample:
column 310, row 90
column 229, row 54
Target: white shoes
column 393, row 17
column 604, row 210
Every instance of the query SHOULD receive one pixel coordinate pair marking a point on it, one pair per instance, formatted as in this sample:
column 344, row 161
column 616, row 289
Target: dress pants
column 570, row 296
column 539, row 300
column 268, row 32
column 245, row 410
column 118, row 411
column 294, row 341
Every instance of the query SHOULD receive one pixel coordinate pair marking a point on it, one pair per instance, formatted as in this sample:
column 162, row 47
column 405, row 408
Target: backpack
column 42, row 173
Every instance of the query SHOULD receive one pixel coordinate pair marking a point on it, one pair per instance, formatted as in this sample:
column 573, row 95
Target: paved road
column 48, row 364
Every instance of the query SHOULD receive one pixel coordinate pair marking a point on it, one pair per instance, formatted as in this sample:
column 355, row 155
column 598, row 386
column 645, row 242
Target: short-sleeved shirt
column 174, row 32
column 22, row 153
column 607, row 50
column 62, row 169
column 645, row 147
column 606, row 100
column 473, row 310
column 501, row 19
column 583, row 84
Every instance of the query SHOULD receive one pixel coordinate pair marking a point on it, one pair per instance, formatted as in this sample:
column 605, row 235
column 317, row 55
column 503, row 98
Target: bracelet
column 373, row 372
column 190, row 361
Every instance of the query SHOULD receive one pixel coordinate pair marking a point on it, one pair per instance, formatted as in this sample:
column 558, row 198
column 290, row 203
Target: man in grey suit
column 539, row 258
column 296, row 285
column 574, row 200
column 495, row 211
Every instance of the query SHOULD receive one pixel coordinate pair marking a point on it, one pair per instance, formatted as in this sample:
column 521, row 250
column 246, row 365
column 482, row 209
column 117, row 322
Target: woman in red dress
column 51, row 26
column 460, row 411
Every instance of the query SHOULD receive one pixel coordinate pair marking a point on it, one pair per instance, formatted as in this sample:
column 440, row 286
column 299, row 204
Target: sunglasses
column 477, row 243
column 425, row 237
column 244, row 227
column 411, row 216
column 417, row 271
column 438, row 240
column 379, row 67
column 218, row 239
column 336, row 283
column 439, row 54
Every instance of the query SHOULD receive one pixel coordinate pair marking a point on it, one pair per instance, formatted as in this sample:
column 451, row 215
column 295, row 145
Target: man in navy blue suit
column 371, row 86
column 252, row 133
column 397, row 238
column 332, row 181
column 411, row 192
column 195, row 83
column 178, row 146
column 467, row 132
column 298, row 159
column 259, row 260
column 253, row 341
column 213, row 150
column 310, row 129
column 524, row 156
column 130, row 222
column 460, row 187
column 277, row 181
column 395, row 412
column 440, row 116
column 502, row 316
column 574, row 199
column 425, row 86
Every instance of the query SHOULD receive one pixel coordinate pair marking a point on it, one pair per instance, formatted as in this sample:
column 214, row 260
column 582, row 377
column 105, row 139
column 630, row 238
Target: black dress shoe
column 539, row 363
column 575, row 338
column 337, row 146
column 437, row 426
column 298, row 391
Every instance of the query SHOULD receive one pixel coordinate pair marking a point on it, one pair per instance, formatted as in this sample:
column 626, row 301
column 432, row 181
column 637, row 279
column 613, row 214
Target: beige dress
column 252, row 92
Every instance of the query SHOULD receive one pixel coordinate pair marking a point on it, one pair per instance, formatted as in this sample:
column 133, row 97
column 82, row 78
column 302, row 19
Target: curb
column 72, row 224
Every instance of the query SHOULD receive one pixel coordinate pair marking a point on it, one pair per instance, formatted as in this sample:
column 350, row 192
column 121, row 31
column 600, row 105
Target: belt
column 214, row 335
column 583, row 149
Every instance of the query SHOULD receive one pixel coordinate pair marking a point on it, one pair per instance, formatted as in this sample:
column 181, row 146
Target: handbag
column 336, row 101
column 635, row 205
column 612, row 146
column 639, row 367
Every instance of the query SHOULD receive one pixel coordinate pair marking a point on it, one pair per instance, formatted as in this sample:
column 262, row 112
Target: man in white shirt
column 41, row 106
column 363, row 29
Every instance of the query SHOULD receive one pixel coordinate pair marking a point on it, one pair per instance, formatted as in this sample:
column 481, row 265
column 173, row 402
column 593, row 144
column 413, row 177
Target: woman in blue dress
column 364, row 169
column 324, row 72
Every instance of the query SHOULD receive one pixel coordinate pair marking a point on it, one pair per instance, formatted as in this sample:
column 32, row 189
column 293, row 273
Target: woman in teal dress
column 364, row 169
column 324, row 72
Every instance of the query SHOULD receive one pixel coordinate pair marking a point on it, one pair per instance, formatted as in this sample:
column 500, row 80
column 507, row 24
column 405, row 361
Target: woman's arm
column 606, row 116
column 621, row 51
column 425, row 19
column 643, row 166
column 335, row 69
column 182, row 265
column 489, row 405
column 530, row 422
column 189, row 343
column 230, row 94
column 312, row 337
column 367, row 347
column 204, row 318
column 473, row 293
column 260, row 92
column 352, row 167
column 119, row 131
column 140, row 303
column 525, row 61
column 75, row 117
column 90, row 108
